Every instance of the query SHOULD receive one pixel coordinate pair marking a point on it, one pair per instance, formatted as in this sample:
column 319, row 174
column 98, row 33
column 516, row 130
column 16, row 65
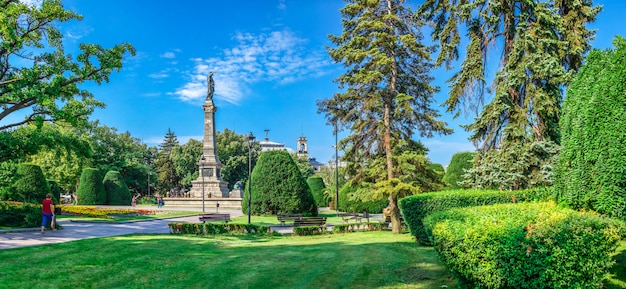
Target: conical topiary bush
column 116, row 190
column 90, row 189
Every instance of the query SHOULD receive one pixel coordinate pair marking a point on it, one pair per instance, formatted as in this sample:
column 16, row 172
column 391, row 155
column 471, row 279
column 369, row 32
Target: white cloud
column 36, row 3
column 281, row 5
column 277, row 56
column 168, row 55
column 437, row 146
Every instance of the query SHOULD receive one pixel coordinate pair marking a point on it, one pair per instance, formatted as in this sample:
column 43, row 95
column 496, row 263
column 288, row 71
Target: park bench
column 215, row 217
column 282, row 218
column 346, row 217
column 309, row 221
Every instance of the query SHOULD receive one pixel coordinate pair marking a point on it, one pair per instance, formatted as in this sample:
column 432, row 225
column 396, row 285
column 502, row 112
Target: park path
column 73, row 231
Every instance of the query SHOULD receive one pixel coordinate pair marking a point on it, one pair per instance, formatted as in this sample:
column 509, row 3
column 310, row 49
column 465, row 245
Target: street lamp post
column 149, row 177
column 202, row 173
column 336, row 170
column 250, row 143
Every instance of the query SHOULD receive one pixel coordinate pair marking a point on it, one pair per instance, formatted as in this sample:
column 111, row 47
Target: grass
column 355, row 260
column 170, row 214
column 617, row 277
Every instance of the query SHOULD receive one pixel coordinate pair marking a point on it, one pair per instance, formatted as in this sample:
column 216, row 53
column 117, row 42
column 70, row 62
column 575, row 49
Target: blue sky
column 269, row 61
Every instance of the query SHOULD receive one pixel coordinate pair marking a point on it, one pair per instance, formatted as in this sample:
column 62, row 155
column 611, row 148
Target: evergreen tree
column 459, row 164
column 590, row 169
column 538, row 54
column 317, row 189
column 169, row 143
column 90, row 188
column 116, row 190
column 167, row 178
column 278, row 187
column 386, row 91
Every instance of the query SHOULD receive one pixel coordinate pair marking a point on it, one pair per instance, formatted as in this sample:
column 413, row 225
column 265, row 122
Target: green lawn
column 355, row 260
column 170, row 214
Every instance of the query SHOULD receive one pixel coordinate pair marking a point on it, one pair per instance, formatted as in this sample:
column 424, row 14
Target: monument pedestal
column 212, row 189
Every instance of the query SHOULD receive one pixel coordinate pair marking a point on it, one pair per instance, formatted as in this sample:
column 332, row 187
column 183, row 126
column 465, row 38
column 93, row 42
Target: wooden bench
column 215, row 217
column 282, row 218
column 346, row 217
column 309, row 221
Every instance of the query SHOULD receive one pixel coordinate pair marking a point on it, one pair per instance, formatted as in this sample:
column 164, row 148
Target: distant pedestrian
column 134, row 201
column 47, row 213
column 160, row 202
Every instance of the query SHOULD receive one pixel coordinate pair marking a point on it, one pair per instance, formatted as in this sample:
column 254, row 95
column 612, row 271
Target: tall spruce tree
column 386, row 90
column 540, row 43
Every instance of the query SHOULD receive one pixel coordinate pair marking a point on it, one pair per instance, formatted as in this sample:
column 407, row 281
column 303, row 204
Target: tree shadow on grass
column 174, row 261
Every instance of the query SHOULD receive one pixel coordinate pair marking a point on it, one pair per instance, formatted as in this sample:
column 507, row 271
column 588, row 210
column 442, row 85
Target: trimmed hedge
column 317, row 189
column 90, row 188
column 415, row 208
column 532, row 245
column 216, row 228
column 116, row 190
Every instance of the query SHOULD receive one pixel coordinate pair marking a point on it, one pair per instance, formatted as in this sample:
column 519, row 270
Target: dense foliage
column 517, row 166
column 349, row 203
column 90, row 188
column 116, row 190
column 416, row 208
column 317, row 189
column 278, row 187
column 55, row 190
column 39, row 81
column 591, row 167
column 459, row 164
column 534, row 245
column 30, row 184
column 20, row 215
column 386, row 94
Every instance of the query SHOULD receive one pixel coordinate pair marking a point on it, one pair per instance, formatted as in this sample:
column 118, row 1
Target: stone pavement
column 85, row 230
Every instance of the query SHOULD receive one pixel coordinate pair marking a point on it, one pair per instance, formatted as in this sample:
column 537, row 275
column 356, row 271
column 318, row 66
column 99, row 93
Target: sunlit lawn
column 171, row 214
column 355, row 260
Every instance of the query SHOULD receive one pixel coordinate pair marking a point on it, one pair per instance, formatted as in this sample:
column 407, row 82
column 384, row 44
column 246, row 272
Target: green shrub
column 55, row 190
column 532, row 245
column 20, row 215
column 90, row 189
column 358, row 227
column 30, row 185
column 416, row 208
column 590, row 171
column 8, row 171
column 217, row 228
column 317, row 189
column 459, row 163
column 347, row 203
column 116, row 190
column 309, row 230
column 278, row 187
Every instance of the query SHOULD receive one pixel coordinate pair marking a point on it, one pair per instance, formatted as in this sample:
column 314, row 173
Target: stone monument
column 209, row 179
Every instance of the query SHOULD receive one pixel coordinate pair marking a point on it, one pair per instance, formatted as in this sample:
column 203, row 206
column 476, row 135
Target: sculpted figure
column 211, row 85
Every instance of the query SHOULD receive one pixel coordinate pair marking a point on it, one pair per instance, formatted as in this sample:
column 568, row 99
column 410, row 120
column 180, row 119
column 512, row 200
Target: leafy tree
column 278, row 187
column 232, row 150
column 541, row 45
column 459, row 164
column 8, row 174
column 590, row 169
column 117, row 192
column 350, row 202
column 185, row 161
column 317, row 189
column 387, row 94
column 37, row 78
column 90, row 188
column 303, row 165
column 30, row 184
column 331, row 177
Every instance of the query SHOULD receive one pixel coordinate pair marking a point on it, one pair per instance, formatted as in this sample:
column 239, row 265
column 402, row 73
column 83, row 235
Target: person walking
column 159, row 202
column 47, row 213
column 134, row 201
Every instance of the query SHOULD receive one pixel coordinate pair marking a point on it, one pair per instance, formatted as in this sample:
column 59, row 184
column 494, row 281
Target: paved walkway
column 85, row 230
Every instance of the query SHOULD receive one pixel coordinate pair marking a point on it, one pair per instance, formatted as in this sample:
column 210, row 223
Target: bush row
column 216, row 228
column 532, row 245
column 416, row 208
column 20, row 215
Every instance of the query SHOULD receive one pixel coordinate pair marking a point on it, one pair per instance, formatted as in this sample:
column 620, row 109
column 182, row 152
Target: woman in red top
column 47, row 212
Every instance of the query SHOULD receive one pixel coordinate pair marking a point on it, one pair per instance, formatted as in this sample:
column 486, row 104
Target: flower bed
column 94, row 212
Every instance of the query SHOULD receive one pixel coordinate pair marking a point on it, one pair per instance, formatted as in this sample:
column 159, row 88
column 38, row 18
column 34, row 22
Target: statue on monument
column 211, row 86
